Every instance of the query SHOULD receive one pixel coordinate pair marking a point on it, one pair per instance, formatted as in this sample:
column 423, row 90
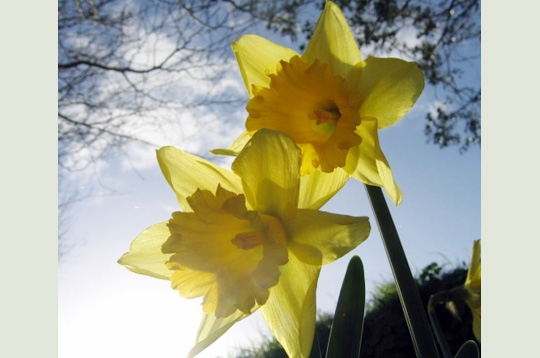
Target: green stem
column 411, row 303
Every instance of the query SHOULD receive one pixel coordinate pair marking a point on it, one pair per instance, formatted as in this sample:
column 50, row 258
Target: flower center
column 324, row 120
column 323, row 116
column 314, row 106
column 225, row 253
column 247, row 240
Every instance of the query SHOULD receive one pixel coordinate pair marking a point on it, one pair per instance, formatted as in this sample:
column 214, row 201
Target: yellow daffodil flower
column 329, row 100
column 472, row 286
column 248, row 239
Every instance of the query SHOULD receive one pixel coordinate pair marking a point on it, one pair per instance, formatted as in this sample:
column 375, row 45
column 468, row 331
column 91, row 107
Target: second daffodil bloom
column 473, row 288
column 329, row 100
column 247, row 239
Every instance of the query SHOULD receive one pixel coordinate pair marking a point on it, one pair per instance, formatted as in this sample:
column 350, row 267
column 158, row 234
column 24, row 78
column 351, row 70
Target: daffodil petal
column 477, row 323
column 368, row 164
column 257, row 58
column 240, row 142
column 473, row 285
column 145, row 256
column 269, row 166
column 318, row 187
column 211, row 328
column 390, row 88
column 191, row 283
column 290, row 311
column 319, row 238
column 473, row 299
column 224, row 151
column 235, row 148
column 474, row 275
column 332, row 42
column 186, row 173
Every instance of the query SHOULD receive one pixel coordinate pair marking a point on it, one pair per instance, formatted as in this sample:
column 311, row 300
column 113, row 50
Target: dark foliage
column 385, row 330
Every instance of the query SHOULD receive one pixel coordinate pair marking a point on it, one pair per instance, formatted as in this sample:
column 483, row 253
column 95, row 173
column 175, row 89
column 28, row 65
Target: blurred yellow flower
column 473, row 286
column 248, row 239
column 329, row 100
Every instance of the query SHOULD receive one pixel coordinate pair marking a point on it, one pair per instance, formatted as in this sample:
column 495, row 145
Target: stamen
column 326, row 112
column 247, row 240
column 324, row 116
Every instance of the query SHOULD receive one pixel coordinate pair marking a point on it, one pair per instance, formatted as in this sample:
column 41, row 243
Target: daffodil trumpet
column 328, row 99
column 248, row 239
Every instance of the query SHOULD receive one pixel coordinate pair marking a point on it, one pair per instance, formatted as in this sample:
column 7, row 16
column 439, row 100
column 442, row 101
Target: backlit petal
column 390, row 87
column 257, row 58
column 191, row 283
column 235, row 148
column 474, row 274
column 269, row 166
column 145, row 256
column 368, row 164
column 318, row 187
column 211, row 328
column 477, row 323
column 319, row 238
column 332, row 42
column 290, row 311
column 473, row 284
column 186, row 173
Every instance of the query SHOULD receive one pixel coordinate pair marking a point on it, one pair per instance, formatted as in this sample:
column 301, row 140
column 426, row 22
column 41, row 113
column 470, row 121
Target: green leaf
column 469, row 349
column 346, row 333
